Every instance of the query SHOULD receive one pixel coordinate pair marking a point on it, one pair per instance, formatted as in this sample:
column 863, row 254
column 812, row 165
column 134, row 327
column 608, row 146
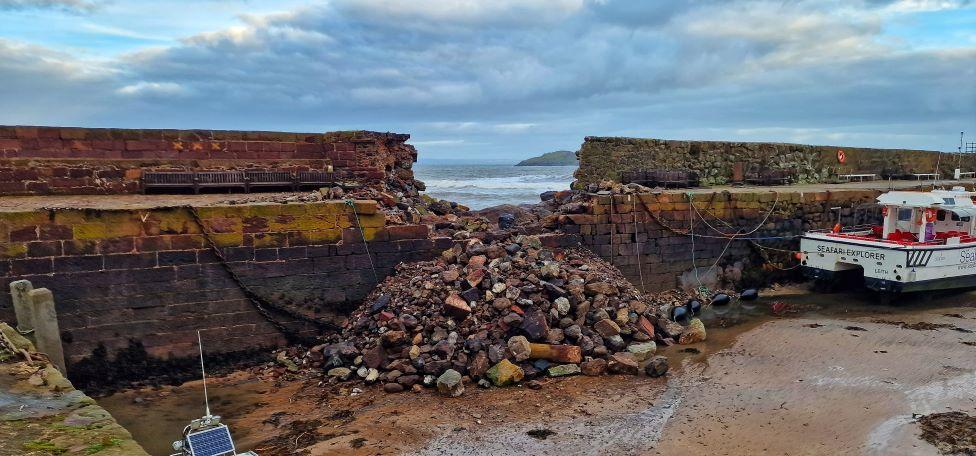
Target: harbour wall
column 647, row 235
column 604, row 158
column 61, row 160
column 156, row 276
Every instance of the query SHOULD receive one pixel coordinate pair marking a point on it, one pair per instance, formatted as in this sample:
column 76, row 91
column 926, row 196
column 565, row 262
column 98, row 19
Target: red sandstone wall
column 645, row 235
column 149, row 275
column 56, row 160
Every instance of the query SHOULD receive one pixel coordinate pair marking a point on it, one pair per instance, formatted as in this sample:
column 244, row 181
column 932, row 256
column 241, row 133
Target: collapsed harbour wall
column 605, row 158
column 37, row 160
column 647, row 237
column 154, row 275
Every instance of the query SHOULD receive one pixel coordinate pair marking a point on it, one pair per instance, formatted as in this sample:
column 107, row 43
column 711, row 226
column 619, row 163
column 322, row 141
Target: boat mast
column 203, row 370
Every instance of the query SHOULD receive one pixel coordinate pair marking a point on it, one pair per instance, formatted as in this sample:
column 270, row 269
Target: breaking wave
column 480, row 186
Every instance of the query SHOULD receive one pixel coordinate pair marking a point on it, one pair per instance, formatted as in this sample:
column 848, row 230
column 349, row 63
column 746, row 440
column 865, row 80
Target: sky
column 501, row 79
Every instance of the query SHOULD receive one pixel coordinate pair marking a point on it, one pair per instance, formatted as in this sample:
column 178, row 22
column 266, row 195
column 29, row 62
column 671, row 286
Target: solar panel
column 211, row 442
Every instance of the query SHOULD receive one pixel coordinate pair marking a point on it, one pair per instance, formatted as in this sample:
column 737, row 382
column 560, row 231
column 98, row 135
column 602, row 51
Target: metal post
column 47, row 334
column 22, row 305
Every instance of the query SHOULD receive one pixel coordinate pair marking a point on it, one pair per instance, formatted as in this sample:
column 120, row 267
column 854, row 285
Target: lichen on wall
column 605, row 158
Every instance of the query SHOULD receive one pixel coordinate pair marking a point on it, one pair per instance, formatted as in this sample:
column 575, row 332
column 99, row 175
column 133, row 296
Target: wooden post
column 47, row 334
column 22, row 305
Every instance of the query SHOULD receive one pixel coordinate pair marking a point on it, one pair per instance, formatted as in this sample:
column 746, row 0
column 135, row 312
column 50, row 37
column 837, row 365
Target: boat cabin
column 938, row 217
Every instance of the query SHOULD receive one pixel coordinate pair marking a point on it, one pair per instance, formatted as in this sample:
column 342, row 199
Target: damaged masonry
column 566, row 323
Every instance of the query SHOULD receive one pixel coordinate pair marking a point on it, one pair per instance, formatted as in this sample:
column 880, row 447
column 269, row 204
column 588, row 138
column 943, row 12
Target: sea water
column 481, row 185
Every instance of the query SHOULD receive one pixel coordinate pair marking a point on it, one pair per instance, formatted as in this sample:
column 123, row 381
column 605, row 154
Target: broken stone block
column 505, row 373
column 656, row 367
column 450, row 276
column 393, row 338
column 594, row 367
column 374, row 357
column 606, row 327
column 449, row 383
column 603, row 288
column 340, row 373
column 562, row 306
column 479, row 365
column 642, row 351
column 534, row 324
column 623, row 363
column 564, row 370
column 694, row 333
column 520, row 347
column 557, row 353
column 456, row 306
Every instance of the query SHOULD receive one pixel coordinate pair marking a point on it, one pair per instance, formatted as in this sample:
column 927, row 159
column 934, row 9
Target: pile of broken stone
column 499, row 313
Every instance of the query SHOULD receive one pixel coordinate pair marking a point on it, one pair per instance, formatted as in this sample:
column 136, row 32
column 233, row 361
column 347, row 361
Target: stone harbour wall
column 645, row 235
column 151, row 275
column 60, row 160
column 603, row 158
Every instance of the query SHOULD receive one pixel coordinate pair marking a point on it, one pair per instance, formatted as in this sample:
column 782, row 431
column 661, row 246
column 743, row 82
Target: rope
column 640, row 265
column 730, row 237
column 257, row 300
column 352, row 204
column 613, row 228
column 702, row 289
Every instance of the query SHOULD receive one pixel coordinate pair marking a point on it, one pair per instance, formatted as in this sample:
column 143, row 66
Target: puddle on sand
column 156, row 417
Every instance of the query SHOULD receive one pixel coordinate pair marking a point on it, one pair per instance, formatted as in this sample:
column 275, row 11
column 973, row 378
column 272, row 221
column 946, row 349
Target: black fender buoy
column 721, row 299
column 679, row 315
column 694, row 306
column 751, row 294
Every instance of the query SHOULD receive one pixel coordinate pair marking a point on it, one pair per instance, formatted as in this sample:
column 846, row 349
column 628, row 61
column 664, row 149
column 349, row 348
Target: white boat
column 925, row 242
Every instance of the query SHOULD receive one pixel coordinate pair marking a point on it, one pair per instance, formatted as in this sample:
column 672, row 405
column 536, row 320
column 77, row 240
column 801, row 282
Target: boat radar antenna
column 203, row 370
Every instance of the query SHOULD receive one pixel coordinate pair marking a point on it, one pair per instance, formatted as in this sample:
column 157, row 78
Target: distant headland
column 557, row 158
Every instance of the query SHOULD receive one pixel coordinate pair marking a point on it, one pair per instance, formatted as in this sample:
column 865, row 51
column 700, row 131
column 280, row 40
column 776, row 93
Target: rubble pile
column 499, row 313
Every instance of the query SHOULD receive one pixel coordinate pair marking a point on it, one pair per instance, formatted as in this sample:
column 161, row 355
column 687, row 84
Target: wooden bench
column 919, row 176
column 255, row 179
column 959, row 174
column 674, row 178
column 246, row 180
column 860, row 177
column 167, row 179
column 770, row 177
column 218, row 179
column 314, row 179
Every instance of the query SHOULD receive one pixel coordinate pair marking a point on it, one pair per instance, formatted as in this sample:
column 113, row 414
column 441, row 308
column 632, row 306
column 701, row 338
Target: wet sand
column 843, row 376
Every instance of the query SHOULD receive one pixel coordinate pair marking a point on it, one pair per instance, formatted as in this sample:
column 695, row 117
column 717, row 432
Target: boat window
column 950, row 201
column 966, row 218
column 905, row 215
column 955, row 217
column 940, row 216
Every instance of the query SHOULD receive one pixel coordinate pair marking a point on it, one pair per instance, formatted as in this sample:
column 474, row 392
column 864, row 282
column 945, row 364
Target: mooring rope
column 640, row 265
column 259, row 302
column 352, row 204
column 613, row 228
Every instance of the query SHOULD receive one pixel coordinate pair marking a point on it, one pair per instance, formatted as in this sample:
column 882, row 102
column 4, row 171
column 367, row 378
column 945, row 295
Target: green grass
column 45, row 446
column 92, row 449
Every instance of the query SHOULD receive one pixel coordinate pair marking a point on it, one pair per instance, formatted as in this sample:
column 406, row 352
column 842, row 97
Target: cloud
column 75, row 6
column 42, row 86
column 514, row 77
column 482, row 127
column 453, row 13
column 144, row 88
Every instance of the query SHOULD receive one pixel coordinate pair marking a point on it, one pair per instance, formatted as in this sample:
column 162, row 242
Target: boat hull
column 890, row 267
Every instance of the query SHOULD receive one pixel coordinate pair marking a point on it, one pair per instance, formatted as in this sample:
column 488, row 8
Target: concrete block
column 47, row 333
